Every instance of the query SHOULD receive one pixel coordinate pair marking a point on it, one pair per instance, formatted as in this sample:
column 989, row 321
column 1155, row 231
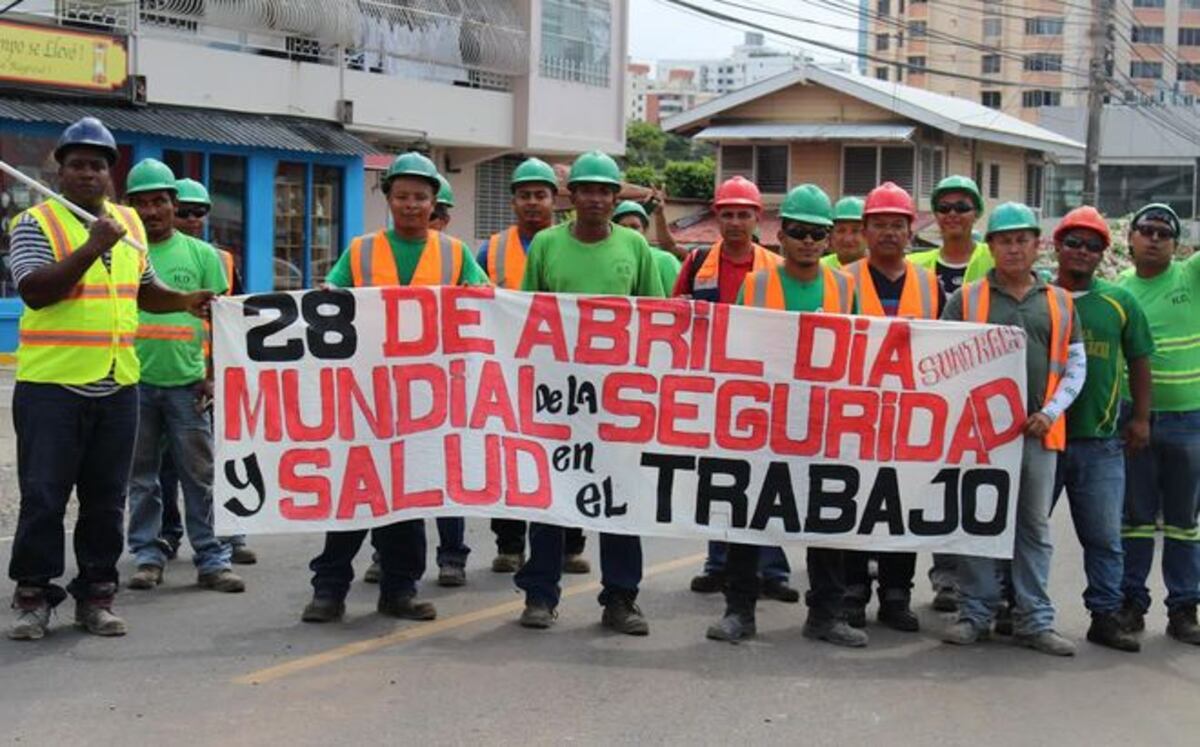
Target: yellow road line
column 418, row 632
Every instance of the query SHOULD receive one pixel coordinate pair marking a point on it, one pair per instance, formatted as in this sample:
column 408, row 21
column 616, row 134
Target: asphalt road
column 204, row 668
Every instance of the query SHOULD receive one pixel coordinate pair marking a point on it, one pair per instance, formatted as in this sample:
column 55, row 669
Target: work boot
column 1106, row 630
column 576, row 564
column 538, row 615
column 945, row 600
column 964, row 633
column 452, row 575
column 734, row 627
column 146, row 577
column 778, row 589
column 95, row 614
column 223, row 580
column 170, row 548
column 898, row 615
column 708, row 583
column 405, row 607
column 323, row 609
column 1132, row 619
column 373, row 573
column 1048, row 642
column 1004, row 620
column 855, row 612
column 243, row 555
column 32, row 620
column 835, row 631
column 623, row 616
column 506, row 562
column 1182, row 626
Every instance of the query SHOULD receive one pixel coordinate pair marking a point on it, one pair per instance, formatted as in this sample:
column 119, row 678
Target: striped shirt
column 30, row 251
column 1171, row 300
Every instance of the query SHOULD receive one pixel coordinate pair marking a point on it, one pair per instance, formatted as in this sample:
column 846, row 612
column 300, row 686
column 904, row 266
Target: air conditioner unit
column 345, row 111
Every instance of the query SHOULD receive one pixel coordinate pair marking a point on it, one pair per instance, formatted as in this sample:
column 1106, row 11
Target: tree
column 690, row 178
column 647, row 176
column 644, row 145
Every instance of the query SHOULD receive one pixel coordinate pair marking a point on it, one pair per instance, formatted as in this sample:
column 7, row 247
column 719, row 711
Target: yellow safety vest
column 89, row 333
column 372, row 261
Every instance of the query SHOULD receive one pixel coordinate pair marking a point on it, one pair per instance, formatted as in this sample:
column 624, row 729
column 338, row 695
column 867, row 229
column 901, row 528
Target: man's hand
column 1136, row 435
column 1037, row 426
column 660, row 199
column 199, row 303
column 204, row 396
column 103, row 235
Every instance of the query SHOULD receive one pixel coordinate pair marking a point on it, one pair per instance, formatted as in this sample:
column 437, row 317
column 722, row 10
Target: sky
column 658, row 30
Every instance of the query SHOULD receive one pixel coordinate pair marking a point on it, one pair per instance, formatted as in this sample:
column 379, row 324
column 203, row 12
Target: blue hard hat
column 89, row 132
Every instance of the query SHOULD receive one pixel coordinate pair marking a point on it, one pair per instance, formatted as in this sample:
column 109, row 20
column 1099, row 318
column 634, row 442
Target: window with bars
column 916, row 29
column 916, row 65
column 979, row 172
column 1189, row 71
column 881, row 42
column 883, row 7
column 866, row 167
column 576, row 40
column 765, row 165
column 990, row 99
column 1145, row 70
column 1033, row 185
column 1043, row 62
column 881, row 73
column 1038, row 99
column 493, row 203
column 994, row 181
column 1146, row 35
column 933, row 167
column 1044, row 26
column 989, row 63
column 1189, row 36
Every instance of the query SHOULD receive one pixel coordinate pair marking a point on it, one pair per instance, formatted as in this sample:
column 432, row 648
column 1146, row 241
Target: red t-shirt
column 730, row 276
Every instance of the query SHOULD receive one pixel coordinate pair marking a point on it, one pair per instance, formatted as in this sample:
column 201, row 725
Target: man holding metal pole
column 75, row 403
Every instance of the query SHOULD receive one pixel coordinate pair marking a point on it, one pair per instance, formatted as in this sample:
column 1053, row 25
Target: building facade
column 287, row 109
column 749, row 63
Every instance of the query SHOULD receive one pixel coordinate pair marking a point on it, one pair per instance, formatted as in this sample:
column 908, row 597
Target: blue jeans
column 772, row 562
column 452, row 550
column 1093, row 472
column 170, row 413
column 979, row 579
column 620, row 565
column 1164, row 477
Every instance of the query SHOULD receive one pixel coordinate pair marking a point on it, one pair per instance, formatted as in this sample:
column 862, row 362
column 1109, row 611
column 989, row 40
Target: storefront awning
column 206, row 125
column 809, row 131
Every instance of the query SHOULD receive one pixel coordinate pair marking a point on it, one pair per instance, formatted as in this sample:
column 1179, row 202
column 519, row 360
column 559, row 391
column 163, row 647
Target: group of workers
column 113, row 376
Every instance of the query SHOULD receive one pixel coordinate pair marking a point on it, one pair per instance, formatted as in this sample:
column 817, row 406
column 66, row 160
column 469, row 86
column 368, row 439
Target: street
column 199, row 667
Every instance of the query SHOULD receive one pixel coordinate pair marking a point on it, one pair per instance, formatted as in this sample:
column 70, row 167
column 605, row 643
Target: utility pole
column 1097, row 72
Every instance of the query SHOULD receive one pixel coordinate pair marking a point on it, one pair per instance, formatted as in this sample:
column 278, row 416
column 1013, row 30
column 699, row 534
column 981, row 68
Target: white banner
column 340, row 409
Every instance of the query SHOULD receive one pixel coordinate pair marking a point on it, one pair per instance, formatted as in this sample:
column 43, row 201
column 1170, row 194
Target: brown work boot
column 1182, row 625
column 32, row 620
column 146, row 577
column 576, row 564
column 223, row 580
column 405, row 607
column 95, row 614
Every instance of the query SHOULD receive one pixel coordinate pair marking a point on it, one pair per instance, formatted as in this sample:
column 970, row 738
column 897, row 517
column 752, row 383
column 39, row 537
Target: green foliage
column 644, row 145
column 690, row 178
column 647, row 176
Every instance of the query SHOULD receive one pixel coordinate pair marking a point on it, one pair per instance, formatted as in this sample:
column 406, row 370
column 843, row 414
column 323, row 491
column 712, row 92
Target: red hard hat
column 738, row 191
column 889, row 198
column 1083, row 217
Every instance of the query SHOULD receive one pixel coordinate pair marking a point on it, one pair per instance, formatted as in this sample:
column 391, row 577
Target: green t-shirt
column 1171, row 302
column 797, row 295
column 407, row 255
column 1115, row 330
column 668, row 267
column 621, row 265
column 171, row 346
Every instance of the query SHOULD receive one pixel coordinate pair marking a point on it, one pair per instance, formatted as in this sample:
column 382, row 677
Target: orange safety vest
column 506, row 259
column 704, row 284
column 764, row 290
column 227, row 264
column 977, row 298
column 372, row 262
column 918, row 299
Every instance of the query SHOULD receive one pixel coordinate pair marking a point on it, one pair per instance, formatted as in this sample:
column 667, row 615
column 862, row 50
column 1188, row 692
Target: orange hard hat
column 1083, row 217
column 889, row 198
column 738, row 191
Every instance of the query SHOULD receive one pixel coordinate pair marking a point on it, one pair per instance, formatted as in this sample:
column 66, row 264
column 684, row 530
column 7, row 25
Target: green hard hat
column 629, row 207
column 597, row 168
column 190, row 190
column 150, row 175
column 413, row 163
column 1012, row 216
column 807, row 203
column 445, row 195
column 535, row 170
column 848, row 208
column 956, row 183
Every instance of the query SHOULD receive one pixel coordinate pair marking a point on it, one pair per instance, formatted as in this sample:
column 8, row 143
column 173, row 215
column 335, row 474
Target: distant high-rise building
column 750, row 62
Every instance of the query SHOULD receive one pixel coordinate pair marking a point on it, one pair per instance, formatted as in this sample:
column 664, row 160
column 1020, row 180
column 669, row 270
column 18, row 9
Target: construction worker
column 410, row 253
column 632, row 215
column 846, row 243
column 1056, row 368
column 441, row 208
column 1165, row 478
column 887, row 284
column 174, row 394
column 1092, row 468
column 191, row 214
column 957, row 204
column 75, row 406
column 716, row 274
column 800, row 283
column 534, row 185
column 588, row 255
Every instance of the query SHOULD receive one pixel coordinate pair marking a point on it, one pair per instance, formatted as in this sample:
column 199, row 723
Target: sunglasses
column 1154, row 232
column 191, row 212
column 1095, row 246
column 800, row 233
column 961, row 207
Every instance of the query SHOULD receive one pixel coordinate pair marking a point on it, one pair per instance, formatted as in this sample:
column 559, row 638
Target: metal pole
column 1101, row 51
